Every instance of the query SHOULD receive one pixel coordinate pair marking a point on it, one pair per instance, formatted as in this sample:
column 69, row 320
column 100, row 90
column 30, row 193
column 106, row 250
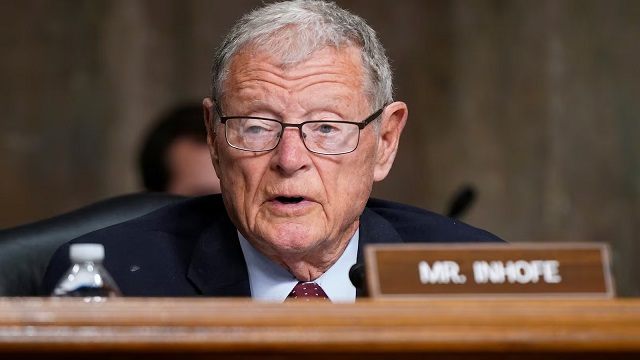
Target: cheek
column 359, row 182
column 241, row 177
column 352, row 185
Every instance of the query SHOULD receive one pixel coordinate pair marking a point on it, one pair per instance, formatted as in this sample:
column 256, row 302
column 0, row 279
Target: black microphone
column 358, row 279
column 461, row 201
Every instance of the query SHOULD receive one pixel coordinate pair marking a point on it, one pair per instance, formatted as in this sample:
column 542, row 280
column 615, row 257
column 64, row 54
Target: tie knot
column 307, row 291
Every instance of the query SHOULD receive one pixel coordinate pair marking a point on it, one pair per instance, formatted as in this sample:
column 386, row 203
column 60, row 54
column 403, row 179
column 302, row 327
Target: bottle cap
column 86, row 252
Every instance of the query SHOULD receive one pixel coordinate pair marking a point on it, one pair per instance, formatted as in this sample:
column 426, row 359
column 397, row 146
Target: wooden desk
column 239, row 329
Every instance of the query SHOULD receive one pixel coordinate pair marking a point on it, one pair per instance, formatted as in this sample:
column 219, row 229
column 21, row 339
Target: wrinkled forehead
column 342, row 62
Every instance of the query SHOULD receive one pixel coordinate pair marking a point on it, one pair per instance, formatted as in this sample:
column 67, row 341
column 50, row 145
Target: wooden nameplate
column 489, row 270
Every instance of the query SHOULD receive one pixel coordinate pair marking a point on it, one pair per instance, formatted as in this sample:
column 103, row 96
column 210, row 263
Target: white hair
column 293, row 30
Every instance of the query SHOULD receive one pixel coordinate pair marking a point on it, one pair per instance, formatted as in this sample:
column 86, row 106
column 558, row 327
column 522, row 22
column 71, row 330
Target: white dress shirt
column 272, row 283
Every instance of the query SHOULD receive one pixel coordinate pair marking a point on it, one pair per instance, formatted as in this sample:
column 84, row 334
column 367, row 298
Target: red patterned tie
column 308, row 291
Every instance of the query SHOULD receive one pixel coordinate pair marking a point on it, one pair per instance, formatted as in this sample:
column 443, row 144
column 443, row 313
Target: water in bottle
column 86, row 278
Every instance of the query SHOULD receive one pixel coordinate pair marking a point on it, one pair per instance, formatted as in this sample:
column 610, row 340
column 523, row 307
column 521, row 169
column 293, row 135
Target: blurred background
column 535, row 104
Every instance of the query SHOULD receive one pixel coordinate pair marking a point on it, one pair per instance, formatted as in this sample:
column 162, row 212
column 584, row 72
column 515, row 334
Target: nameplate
column 489, row 270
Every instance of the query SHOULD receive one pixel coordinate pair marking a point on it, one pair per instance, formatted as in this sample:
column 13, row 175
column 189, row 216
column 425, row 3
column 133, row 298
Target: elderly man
column 301, row 123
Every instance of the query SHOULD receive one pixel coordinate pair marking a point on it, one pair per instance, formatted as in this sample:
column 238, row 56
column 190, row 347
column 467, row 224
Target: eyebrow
column 328, row 104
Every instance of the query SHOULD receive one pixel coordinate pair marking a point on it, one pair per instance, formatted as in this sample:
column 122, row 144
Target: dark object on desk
column 25, row 250
column 358, row 279
column 461, row 202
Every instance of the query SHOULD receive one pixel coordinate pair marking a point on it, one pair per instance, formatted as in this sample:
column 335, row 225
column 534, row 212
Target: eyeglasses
column 325, row 137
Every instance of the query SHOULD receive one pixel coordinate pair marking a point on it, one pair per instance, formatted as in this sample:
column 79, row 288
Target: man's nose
column 291, row 155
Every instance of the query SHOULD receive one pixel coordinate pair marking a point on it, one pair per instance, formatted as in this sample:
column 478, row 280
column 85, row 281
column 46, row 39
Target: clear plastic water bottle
column 87, row 277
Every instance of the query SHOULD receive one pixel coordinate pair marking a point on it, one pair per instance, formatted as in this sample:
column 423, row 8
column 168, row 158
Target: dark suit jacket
column 192, row 248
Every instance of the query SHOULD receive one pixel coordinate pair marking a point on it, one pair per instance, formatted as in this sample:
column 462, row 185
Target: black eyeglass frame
column 361, row 125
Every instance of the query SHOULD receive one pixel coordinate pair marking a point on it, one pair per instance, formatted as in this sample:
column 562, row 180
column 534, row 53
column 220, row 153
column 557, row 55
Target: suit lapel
column 374, row 229
column 217, row 265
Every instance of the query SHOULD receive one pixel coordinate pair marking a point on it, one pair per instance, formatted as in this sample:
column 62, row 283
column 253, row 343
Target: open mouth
column 289, row 199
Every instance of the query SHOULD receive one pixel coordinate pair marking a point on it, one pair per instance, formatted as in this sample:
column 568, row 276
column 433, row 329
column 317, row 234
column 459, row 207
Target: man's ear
column 210, row 125
column 394, row 117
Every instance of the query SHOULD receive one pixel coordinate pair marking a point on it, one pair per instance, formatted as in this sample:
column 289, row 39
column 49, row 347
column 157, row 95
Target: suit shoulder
column 162, row 240
column 190, row 214
column 180, row 218
column 414, row 224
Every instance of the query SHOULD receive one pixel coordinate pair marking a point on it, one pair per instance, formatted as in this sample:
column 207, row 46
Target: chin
column 293, row 238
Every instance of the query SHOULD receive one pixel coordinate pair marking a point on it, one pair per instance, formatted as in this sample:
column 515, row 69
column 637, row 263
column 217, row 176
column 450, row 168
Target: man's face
column 288, row 202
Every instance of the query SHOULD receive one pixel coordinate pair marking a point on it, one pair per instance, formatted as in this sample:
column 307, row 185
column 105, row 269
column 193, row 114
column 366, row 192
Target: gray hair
column 293, row 30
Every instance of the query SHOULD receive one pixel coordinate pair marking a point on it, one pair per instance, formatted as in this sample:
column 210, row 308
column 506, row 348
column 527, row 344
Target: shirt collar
column 273, row 283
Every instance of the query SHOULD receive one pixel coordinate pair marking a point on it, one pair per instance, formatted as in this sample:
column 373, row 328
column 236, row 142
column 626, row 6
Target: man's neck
column 273, row 282
column 312, row 264
column 307, row 267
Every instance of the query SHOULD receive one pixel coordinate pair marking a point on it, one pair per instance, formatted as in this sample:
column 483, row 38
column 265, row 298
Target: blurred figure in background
column 175, row 158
